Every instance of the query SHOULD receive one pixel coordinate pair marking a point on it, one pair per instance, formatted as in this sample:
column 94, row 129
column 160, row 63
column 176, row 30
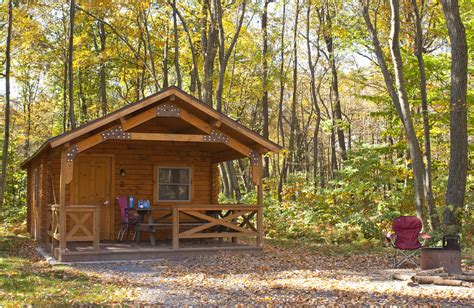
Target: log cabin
column 164, row 149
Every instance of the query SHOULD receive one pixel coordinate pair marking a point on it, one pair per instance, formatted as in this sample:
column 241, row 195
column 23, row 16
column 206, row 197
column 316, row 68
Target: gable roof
column 188, row 99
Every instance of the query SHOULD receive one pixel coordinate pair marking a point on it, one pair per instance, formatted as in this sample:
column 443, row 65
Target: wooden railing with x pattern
column 83, row 225
column 218, row 221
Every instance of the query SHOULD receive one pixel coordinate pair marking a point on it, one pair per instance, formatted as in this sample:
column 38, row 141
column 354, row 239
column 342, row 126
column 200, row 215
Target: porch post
column 175, row 226
column 257, row 174
column 62, row 204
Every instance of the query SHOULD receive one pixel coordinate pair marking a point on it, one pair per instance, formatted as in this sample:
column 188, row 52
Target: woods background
column 358, row 93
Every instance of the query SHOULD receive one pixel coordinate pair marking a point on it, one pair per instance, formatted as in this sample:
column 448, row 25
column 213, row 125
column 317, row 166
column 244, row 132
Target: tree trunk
column 234, row 182
column 176, row 46
column 314, row 98
column 293, row 121
column 102, row 77
column 281, row 131
column 225, row 180
column 328, row 38
column 195, row 72
column 6, row 138
column 65, row 88
column 208, row 42
column 415, row 152
column 224, row 54
column 456, row 188
column 266, row 160
column 165, row 61
column 434, row 219
column 398, row 96
column 72, row 12
column 150, row 52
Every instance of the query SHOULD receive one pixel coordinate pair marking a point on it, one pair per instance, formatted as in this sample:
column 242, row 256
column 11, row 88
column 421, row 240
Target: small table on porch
column 151, row 226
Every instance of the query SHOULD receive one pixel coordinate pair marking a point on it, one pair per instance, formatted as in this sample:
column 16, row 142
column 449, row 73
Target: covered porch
column 208, row 235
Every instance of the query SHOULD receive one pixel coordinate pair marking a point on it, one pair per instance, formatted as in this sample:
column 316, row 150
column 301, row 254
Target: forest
column 370, row 99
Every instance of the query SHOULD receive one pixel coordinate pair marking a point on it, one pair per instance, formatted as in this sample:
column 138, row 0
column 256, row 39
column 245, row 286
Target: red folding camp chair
column 405, row 239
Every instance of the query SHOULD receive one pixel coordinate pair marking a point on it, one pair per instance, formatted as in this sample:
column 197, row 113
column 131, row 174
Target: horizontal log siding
column 138, row 160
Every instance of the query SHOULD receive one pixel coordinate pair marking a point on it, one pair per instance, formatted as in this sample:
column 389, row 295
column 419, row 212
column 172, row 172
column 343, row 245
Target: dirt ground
column 278, row 276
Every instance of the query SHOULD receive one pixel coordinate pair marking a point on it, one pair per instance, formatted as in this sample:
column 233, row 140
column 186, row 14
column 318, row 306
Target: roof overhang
column 194, row 105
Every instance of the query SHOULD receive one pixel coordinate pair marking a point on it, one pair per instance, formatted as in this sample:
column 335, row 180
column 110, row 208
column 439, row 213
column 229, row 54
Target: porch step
column 151, row 253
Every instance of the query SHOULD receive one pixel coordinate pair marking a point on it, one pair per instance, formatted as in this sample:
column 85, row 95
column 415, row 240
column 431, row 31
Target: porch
column 194, row 231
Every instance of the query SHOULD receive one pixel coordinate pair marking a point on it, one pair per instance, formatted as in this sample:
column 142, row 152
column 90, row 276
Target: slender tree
column 294, row 101
column 398, row 94
column 176, row 46
column 434, row 219
column 6, row 137
column 266, row 167
column 456, row 188
column 72, row 12
column 225, row 53
column 312, row 63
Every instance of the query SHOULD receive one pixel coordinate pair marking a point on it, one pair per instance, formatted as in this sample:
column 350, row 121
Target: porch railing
column 82, row 224
column 232, row 220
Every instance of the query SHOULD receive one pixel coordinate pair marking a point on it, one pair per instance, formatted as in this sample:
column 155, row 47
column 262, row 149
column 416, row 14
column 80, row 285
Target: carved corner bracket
column 72, row 152
column 254, row 157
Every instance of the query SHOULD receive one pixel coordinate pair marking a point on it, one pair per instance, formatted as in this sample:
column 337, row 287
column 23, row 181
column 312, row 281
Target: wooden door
column 92, row 185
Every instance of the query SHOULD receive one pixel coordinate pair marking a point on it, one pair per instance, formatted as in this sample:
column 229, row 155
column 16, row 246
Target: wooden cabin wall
column 139, row 159
column 29, row 202
column 38, row 215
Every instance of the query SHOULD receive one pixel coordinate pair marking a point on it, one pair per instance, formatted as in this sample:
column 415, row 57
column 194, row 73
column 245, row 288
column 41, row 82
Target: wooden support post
column 96, row 228
column 175, row 234
column 258, row 169
column 62, row 203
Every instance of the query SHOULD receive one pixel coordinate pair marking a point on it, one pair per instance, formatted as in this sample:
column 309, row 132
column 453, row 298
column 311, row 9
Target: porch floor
column 130, row 250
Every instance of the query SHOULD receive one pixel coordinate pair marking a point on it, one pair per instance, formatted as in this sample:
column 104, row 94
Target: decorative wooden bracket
column 72, row 152
column 254, row 157
column 216, row 136
column 167, row 110
column 115, row 133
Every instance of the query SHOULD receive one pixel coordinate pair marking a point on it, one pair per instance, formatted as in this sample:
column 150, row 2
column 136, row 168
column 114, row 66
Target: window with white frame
column 174, row 183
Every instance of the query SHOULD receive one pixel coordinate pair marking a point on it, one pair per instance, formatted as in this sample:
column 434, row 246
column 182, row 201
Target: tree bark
column 208, row 46
column 165, row 61
column 280, row 129
column 399, row 97
column 102, row 77
column 434, row 219
column 195, row 72
column 456, row 188
column 294, row 101
column 328, row 38
column 224, row 54
column 72, row 12
column 176, row 46
column 65, row 89
column 415, row 152
column 6, row 133
column 265, row 133
column 314, row 90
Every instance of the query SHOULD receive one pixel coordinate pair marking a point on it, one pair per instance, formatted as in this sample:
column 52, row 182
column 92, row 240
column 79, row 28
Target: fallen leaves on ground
column 278, row 276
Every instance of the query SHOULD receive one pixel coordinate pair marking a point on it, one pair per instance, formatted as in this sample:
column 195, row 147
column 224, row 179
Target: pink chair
column 128, row 220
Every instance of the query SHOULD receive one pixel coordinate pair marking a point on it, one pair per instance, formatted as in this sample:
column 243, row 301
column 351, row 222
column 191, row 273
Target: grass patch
column 26, row 279
column 355, row 248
